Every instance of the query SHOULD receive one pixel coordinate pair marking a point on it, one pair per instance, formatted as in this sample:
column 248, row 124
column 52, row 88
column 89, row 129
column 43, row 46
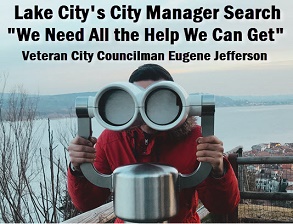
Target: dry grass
column 262, row 213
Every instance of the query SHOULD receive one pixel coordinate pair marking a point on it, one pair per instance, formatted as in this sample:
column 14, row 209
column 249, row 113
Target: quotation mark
column 279, row 30
column 11, row 30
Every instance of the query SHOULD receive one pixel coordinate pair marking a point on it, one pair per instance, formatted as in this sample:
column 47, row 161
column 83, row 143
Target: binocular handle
column 84, row 128
column 95, row 177
column 88, row 169
column 204, row 168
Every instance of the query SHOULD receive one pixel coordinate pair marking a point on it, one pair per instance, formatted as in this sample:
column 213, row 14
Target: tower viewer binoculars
column 151, row 189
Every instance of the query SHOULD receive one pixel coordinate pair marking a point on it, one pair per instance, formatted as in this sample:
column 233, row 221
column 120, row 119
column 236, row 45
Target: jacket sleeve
column 84, row 195
column 220, row 195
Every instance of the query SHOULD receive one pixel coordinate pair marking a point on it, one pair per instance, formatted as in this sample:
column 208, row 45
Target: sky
column 271, row 77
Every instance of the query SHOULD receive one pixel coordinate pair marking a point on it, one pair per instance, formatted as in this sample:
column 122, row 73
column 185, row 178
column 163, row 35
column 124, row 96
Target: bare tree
column 18, row 147
column 32, row 177
column 65, row 133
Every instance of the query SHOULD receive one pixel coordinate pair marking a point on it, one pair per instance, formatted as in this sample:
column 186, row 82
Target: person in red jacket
column 182, row 148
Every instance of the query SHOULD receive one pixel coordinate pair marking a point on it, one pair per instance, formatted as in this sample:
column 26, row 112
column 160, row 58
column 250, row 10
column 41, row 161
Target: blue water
column 248, row 126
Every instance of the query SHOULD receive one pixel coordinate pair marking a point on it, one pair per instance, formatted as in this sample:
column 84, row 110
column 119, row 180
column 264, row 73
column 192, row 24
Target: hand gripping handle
column 85, row 130
column 207, row 124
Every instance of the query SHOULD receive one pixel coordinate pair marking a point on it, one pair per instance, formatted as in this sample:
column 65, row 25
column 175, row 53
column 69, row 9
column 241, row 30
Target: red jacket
column 115, row 149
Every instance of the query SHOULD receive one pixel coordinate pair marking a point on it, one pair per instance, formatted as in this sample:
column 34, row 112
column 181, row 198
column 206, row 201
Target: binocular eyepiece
column 162, row 106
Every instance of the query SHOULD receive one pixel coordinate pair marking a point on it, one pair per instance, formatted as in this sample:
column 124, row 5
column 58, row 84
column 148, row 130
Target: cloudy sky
column 271, row 77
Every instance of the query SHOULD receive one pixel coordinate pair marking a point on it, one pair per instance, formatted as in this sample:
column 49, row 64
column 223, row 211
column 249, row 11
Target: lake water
column 248, row 126
column 236, row 126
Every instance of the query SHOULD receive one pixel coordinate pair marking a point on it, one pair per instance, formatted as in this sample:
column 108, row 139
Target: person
column 182, row 148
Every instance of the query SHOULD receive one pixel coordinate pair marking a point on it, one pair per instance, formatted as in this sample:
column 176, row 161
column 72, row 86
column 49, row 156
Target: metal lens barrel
column 164, row 106
column 116, row 106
